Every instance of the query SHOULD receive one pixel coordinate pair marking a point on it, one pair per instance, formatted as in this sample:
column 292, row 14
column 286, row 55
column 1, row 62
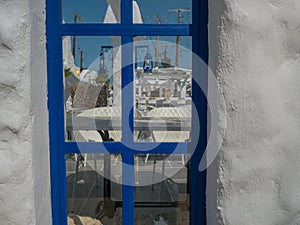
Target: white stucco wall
column 255, row 54
column 24, row 153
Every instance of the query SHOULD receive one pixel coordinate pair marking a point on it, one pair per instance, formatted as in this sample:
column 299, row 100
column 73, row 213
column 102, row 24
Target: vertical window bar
column 127, row 117
column 126, row 12
column 56, row 108
column 128, row 189
column 199, row 93
column 61, row 129
column 62, row 187
column 127, row 89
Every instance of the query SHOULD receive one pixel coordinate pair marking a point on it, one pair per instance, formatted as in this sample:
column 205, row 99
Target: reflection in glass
column 92, row 88
column 162, row 194
column 163, row 81
column 144, row 11
column 93, row 11
column 165, row 11
column 94, row 188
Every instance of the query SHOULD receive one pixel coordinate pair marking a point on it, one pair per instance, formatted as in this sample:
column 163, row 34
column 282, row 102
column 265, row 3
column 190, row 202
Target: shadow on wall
column 216, row 11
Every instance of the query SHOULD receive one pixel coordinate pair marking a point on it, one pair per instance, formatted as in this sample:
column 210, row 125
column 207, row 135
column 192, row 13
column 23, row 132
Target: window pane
column 162, row 193
column 92, row 75
column 94, row 188
column 163, row 79
column 162, row 11
column 91, row 11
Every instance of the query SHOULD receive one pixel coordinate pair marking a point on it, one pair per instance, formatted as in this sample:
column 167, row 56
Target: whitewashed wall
column 24, row 152
column 255, row 54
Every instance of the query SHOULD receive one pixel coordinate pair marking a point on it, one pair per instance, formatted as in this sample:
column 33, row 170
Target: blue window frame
column 127, row 30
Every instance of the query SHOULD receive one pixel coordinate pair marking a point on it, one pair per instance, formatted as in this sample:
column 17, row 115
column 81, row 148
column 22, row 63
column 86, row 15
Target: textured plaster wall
column 24, row 154
column 255, row 55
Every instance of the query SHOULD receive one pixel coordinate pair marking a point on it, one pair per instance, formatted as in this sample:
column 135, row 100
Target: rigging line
column 152, row 42
column 87, row 197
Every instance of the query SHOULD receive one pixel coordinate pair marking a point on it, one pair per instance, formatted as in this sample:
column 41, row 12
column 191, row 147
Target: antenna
column 157, row 19
column 179, row 13
column 179, row 21
column 81, row 58
column 76, row 16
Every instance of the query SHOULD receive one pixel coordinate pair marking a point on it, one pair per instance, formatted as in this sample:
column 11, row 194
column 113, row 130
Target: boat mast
column 178, row 38
column 76, row 16
column 158, row 21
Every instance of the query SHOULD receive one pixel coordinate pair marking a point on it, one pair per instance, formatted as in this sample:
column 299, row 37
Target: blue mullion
column 55, row 107
column 162, row 29
column 63, row 187
column 160, row 148
column 128, row 190
column 126, row 12
column 60, row 111
column 199, row 93
column 120, row 148
column 127, row 89
column 127, row 29
column 127, row 115
column 94, row 147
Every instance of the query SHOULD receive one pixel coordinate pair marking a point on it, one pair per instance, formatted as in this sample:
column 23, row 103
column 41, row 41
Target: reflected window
column 165, row 11
column 163, row 83
column 162, row 193
column 94, row 190
column 92, row 88
column 91, row 11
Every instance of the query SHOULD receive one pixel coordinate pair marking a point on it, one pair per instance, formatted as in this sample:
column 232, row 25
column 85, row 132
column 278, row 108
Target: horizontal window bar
column 161, row 29
column 126, row 29
column 120, row 148
column 93, row 147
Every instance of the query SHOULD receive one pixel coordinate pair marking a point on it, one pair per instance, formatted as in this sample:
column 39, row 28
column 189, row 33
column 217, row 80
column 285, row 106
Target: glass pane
column 92, row 80
column 92, row 11
column 162, row 11
column 163, row 81
column 162, row 194
column 94, row 188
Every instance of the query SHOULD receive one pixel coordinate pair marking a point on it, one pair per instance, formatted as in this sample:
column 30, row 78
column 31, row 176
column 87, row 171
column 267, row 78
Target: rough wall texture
column 255, row 54
column 24, row 170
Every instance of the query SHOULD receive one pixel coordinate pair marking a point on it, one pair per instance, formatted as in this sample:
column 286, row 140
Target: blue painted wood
column 127, row 29
column 200, row 74
column 128, row 190
column 55, row 107
column 121, row 148
column 127, row 89
column 126, row 8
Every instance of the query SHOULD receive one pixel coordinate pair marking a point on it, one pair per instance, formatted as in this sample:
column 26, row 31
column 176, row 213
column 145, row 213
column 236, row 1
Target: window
column 124, row 151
